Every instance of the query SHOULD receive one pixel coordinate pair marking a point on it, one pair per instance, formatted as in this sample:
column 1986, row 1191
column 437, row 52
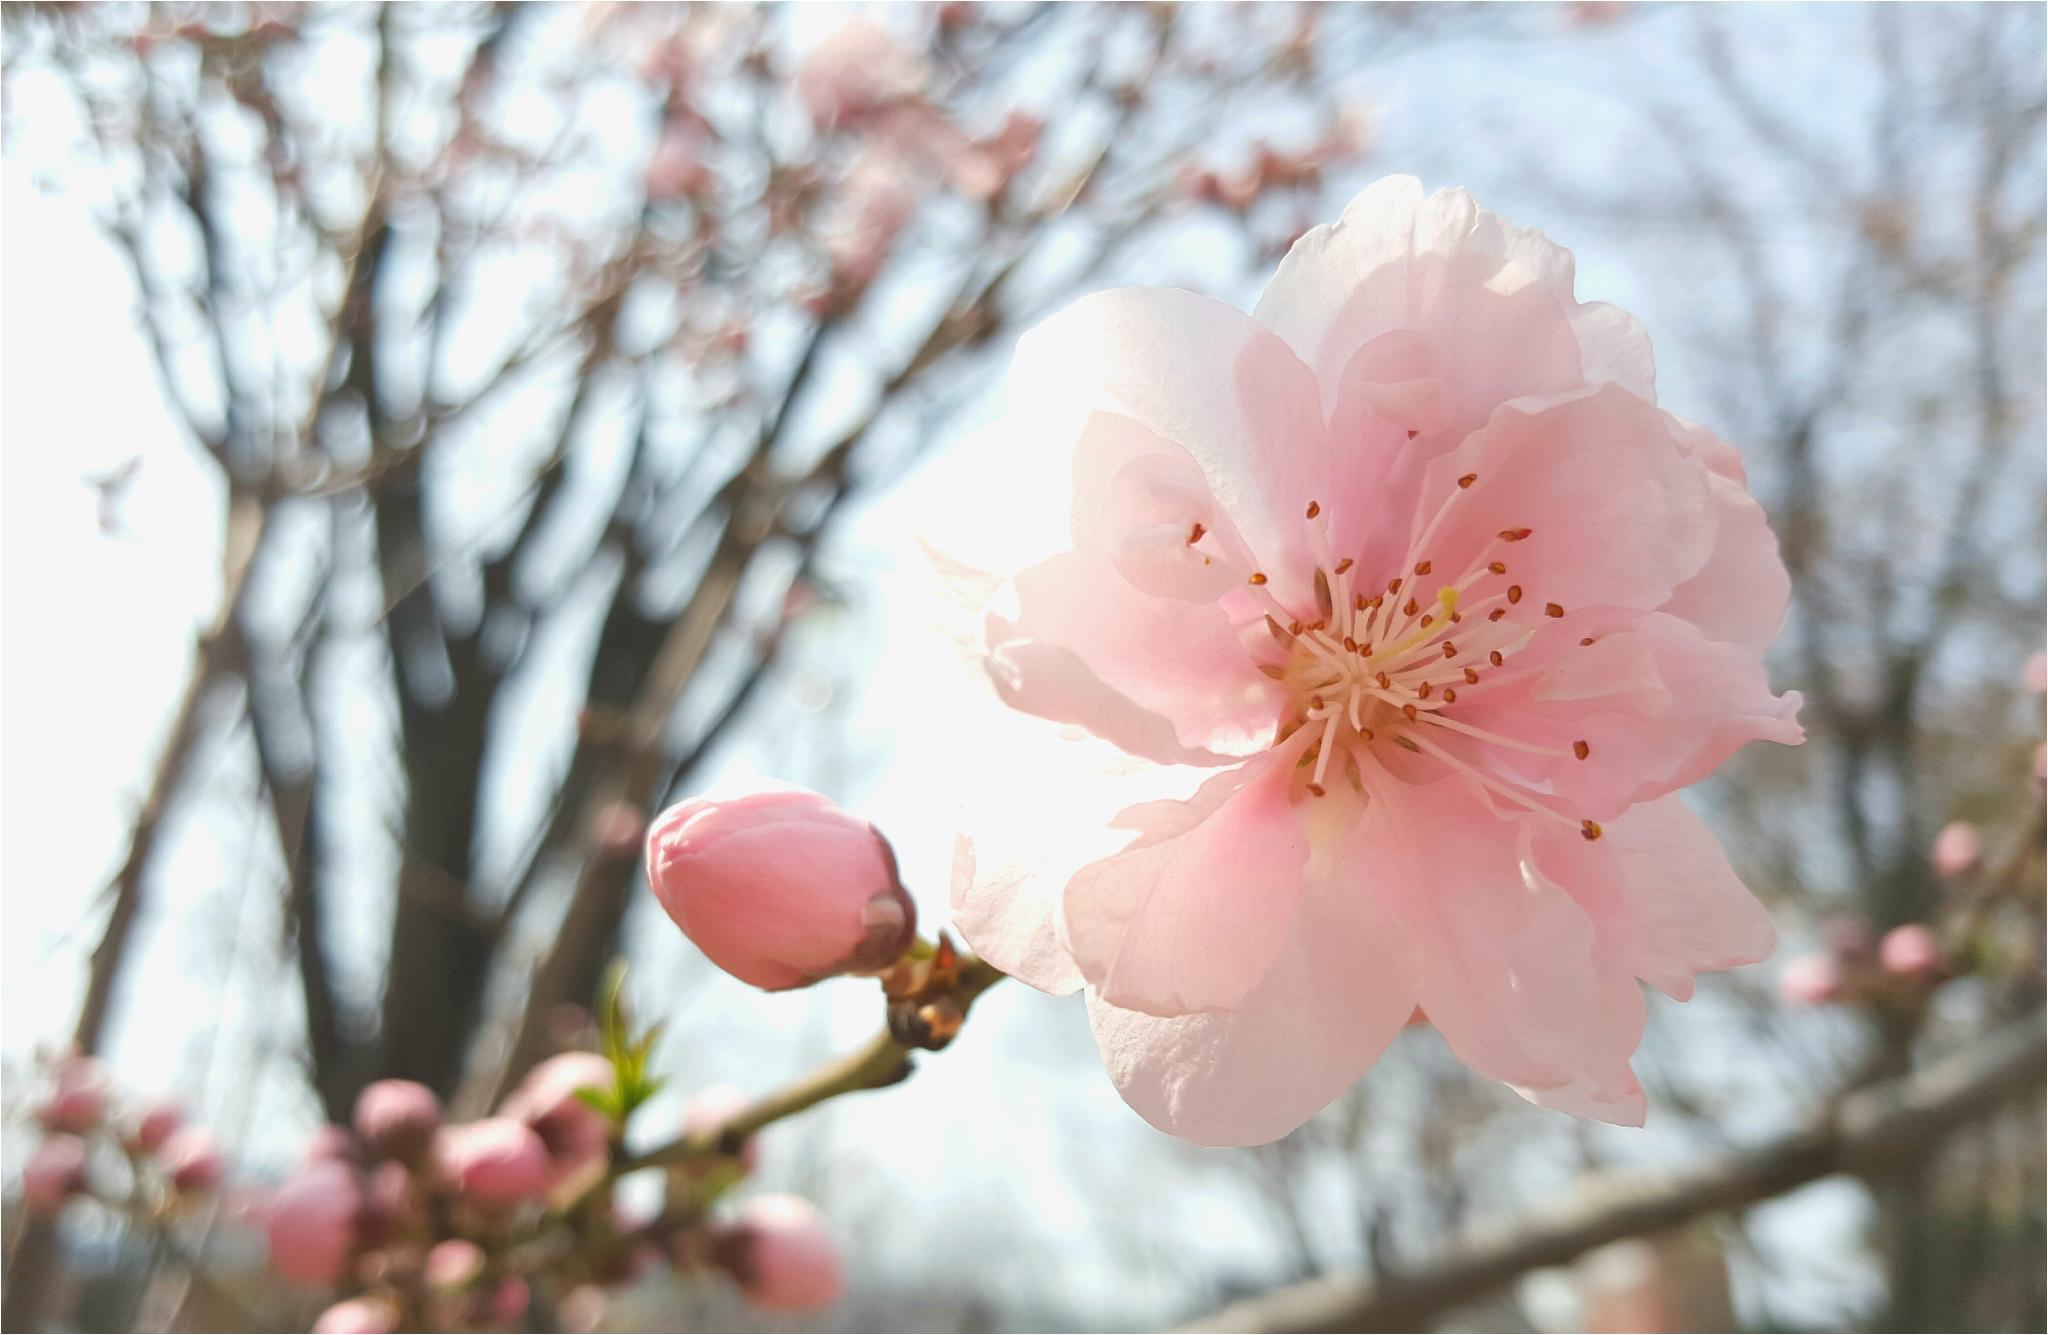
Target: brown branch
column 882, row 1061
column 1873, row 1132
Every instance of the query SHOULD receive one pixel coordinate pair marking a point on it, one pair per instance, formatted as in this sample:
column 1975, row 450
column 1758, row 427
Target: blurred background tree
column 552, row 366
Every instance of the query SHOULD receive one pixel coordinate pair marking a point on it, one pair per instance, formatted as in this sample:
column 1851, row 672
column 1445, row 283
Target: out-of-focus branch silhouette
column 1871, row 1131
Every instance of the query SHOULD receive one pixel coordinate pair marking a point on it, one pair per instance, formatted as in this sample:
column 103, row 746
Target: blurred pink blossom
column 397, row 1118
column 191, row 1156
column 858, row 70
column 155, row 1123
column 783, row 1256
column 452, row 1264
column 2037, row 673
column 1811, row 980
column 311, row 1225
column 780, row 888
column 1911, row 950
column 357, row 1316
column 79, row 1097
column 496, row 1161
column 55, row 1170
column 1849, row 937
column 1410, row 566
column 1957, row 850
column 577, row 1136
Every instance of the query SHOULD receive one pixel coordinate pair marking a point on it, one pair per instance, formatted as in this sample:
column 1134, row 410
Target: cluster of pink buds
column 85, row 1135
column 1855, row 968
column 454, row 1226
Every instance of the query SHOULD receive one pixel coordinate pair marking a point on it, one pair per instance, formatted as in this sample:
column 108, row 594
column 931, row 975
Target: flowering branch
column 882, row 1061
column 1868, row 1131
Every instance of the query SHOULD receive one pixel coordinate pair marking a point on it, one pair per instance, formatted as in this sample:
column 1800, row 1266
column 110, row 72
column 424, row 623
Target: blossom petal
column 1201, row 374
column 1009, row 917
column 1618, row 511
column 1440, row 265
column 1739, row 596
column 1511, row 972
column 1145, row 504
column 1180, row 660
column 1658, row 705
column 1197, row 911
column 1661, row 890
column 1304, row 1035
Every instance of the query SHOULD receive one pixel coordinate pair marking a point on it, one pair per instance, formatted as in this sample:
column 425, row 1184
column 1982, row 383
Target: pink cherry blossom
column 1957, row 850
column 1911, row 950
column 192, row 1159
column 577, row 1136
column 496, row 1161
column 1429, row 610
column 783, row 1256
column 397, row 1118
column 780, row 888
column 311, row 1224
column 1811, row 980
column 54, row 1171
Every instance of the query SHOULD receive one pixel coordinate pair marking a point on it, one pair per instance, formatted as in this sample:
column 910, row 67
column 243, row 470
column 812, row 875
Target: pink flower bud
column 79, row 1099
column 1957, row 850
column 780, row 888
column 453, row 1264
column 390, row 1205
column 783, row 1256
column 312, row 1223
column 711, row 1108
column 494, row 1162
column 156, row 1123
column 577, row 1136
column 509, row 1300
column 397, row 1118
column 1849, row 937
column 54, row 1171
column 1911, row 950
column 1811, row 980
column 191, row 1157
column 357, row 1316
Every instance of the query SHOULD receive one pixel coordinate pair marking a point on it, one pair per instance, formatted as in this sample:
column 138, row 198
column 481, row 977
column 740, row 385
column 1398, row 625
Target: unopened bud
column 79, row 1099
column 780, row 888
column 1957, row 850
column 577, row 1136
column 1911, row 950
column 397, row 1118
column 494, row 1162
column 783, row 1256
column 453, row 1264
column 55, row 1171
column 312, row 1222
column 155, row 1124
column 1811, row 980
column 190, row 1156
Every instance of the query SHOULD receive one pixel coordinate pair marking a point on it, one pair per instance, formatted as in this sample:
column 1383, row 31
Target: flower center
column 1389, row 663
